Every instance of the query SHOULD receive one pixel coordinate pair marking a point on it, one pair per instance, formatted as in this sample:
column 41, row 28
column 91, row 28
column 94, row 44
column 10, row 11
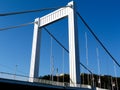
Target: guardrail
column 13, row 76
column 37, row 80
column 26, row 78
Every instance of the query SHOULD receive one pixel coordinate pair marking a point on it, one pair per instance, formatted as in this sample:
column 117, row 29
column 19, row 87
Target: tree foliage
column 102, row 81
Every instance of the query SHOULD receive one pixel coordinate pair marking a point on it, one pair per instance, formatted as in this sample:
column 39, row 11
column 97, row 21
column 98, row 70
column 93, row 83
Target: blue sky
column 15, row 44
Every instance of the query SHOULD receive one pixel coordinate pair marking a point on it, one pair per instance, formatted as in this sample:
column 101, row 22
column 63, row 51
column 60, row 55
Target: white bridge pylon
column 74, row 65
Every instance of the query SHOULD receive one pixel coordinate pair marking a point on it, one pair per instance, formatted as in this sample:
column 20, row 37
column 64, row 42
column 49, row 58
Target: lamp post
column 15, row 71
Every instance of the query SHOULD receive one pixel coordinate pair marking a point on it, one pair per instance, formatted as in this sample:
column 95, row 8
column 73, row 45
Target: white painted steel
column 73, row 46
column 73, row 42
column 34, row 67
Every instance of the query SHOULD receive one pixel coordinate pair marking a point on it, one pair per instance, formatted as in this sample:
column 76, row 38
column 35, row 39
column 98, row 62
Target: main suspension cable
column 55, row 39
column 66, row 49
column 30, row 11
column 98, row 39
column 17, row 26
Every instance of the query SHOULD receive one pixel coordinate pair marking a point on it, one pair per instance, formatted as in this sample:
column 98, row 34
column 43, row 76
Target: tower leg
column 34, row 67
column 74, row 64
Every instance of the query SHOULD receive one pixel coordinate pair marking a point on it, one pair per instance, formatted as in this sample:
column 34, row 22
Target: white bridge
column 76, row 79
column 65, row 12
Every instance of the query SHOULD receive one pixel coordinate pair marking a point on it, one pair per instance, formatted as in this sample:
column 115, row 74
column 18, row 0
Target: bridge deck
column 15, row 84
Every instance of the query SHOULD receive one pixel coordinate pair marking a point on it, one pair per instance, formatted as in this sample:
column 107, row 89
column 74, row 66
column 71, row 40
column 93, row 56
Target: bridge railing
column 43, row 81
column 11, row 76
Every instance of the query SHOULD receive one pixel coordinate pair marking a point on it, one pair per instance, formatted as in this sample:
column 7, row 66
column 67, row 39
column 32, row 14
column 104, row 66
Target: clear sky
column 103, row 16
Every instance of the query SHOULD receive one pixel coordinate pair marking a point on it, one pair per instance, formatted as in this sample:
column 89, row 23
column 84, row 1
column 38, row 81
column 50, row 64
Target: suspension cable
column 116, row 82
column 51, row 60
column 29, row 23
column 63, row 63
column 17, row 26
column 98, row 64
column 30, row 11
column 65, row 49
column 55, row 39
column 98, row 39
column 86, row 68
column 86, row 46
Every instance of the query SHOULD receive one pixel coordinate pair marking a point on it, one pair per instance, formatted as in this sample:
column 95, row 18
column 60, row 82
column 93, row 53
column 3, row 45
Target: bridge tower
column 74, row 63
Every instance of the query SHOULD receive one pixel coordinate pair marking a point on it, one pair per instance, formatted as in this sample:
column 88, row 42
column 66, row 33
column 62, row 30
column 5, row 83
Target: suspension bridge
column 80, row 76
